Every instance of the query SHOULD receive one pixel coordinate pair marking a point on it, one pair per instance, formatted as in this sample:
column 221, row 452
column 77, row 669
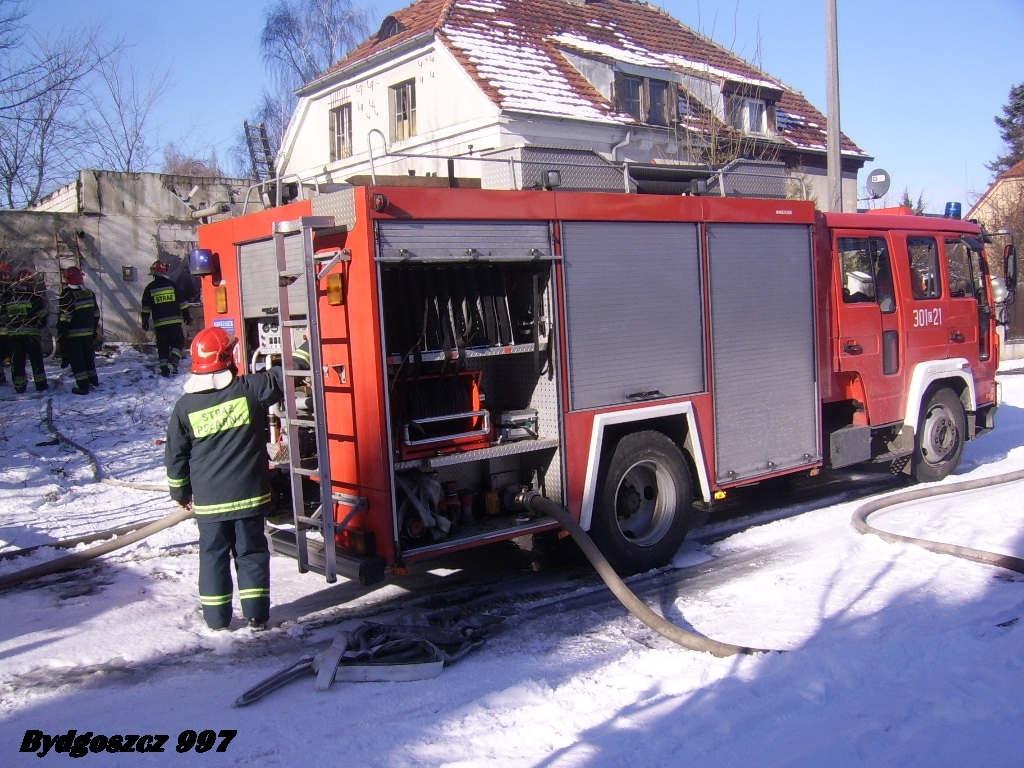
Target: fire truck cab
column 622, row 354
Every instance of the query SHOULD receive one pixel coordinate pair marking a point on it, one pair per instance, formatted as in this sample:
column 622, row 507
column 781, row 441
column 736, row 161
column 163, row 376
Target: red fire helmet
column 212, row 350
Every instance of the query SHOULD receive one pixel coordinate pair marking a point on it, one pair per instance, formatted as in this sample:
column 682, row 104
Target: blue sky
column 920, row 80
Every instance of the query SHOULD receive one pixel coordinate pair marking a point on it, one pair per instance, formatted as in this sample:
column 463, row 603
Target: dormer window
column 748, row 115
column 389, row 28
column 646, row 99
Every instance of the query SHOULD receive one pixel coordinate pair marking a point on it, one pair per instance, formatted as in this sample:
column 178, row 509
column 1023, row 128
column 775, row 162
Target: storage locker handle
column 484, row 430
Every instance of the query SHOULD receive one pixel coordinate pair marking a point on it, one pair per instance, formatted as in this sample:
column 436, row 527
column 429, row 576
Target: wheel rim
column 645, row 503
column 940, row 436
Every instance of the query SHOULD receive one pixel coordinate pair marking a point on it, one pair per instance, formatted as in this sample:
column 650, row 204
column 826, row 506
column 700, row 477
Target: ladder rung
column 295, row 323
column 298, row 373
column 306, row 472
column 312, row 522
column 303, row 422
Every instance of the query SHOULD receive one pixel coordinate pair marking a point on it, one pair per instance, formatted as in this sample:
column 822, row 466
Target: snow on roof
column 524, row 75
column 514, row 51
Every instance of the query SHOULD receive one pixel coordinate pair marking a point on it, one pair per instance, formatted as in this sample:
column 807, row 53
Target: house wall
column 451, row 114
column 114, row 225
column 455, row 119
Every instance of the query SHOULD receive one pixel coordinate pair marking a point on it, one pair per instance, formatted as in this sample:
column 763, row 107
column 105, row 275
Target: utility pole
column 835, row 162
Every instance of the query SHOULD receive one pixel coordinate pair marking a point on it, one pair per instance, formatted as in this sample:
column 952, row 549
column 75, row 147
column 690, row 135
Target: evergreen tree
column 908, row 202
column 1011, row 128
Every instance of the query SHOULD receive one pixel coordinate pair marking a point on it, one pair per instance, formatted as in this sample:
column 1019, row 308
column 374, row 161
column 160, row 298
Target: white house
column 495, row 92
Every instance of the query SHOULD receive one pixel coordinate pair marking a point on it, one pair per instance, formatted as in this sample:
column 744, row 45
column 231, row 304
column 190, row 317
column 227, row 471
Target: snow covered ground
column 894, row 656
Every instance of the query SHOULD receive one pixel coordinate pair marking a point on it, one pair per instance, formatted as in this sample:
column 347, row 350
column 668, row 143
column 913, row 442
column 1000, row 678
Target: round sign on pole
column 878, row 183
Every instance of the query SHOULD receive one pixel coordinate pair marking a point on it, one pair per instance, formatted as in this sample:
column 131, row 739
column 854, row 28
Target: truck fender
column 925, row 374
column 638, row 416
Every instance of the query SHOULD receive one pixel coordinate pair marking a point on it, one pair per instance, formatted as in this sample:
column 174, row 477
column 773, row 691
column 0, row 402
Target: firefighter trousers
column 169, row 341
column 245, row 542
column 5, row 354
column 30, row 347
column 82, row 357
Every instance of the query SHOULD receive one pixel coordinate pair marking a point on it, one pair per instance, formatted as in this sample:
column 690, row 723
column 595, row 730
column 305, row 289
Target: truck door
column 968, row 313
column 870, row 344
column 928, row 317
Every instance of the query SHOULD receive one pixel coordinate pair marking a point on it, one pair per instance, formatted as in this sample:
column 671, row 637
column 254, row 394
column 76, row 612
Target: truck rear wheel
column 939, row 442
column 645, row 505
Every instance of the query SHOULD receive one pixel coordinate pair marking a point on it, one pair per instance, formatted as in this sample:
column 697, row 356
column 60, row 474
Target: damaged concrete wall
column 115, row 225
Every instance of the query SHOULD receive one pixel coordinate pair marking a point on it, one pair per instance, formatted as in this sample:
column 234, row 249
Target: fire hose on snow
column 533, row 500
column 125, row 535
column 862, row 513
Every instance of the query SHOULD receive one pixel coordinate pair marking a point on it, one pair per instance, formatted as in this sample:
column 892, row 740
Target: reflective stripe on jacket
column 216, row 452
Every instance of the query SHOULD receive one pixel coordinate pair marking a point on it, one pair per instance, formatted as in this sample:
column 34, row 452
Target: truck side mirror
column 1010, row 266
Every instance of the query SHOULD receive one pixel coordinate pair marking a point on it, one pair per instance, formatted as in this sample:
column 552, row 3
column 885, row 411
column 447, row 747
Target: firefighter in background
column 5, row 339
column 27, row 313
column 216, row 459
column 78, row 320
column 168, row 313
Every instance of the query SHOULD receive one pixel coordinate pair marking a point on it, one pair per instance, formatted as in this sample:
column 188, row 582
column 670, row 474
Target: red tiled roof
column 516, row 51
column 1014, row 172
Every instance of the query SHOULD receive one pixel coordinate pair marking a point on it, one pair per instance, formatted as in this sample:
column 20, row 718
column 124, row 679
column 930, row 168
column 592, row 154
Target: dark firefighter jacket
column 161, row 304
column 77, row 314
column 27, row 312
column 216, row 448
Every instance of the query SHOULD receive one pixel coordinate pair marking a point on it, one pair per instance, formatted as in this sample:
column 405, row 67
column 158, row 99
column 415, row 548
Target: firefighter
column 78, row 320
column 27, row 315
column 168, row 313
column 5, row 339
column 216, row 460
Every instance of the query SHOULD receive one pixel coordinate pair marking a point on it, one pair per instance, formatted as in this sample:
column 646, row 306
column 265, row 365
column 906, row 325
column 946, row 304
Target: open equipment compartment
column 472, row 386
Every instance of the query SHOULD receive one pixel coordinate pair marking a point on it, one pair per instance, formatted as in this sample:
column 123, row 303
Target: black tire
column 939, row 442
column 645, row 505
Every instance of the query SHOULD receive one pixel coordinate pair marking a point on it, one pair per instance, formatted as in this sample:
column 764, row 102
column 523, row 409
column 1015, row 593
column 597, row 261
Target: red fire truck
column 622, row 354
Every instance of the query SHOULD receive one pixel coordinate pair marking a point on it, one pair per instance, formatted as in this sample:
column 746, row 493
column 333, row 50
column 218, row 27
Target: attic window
column 748, row 115
column 389, row 28
column 645, row 98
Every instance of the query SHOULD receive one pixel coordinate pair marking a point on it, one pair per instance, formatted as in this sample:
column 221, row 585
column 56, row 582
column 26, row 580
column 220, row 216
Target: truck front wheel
column 939, row 442
column 645, row 505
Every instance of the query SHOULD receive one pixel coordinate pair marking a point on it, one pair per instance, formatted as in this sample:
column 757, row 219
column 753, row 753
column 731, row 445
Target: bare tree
column 301, row 39
column 184, row 162
column 120, row 127
column 11, row 16
column 42, row 131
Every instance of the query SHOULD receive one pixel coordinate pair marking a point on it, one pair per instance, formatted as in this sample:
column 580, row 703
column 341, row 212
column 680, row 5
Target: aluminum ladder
column 313, row 267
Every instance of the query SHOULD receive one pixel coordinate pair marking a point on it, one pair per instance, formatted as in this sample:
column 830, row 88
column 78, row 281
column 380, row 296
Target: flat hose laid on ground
column 690, row 640
column 78, row 559
column 97, row 471
column 88, row 538
column 134, row 532
column 862, row 513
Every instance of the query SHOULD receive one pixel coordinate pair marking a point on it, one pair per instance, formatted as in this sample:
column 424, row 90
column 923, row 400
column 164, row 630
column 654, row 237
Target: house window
column 403, row 110
column 748, row 115
column 341, row 132
column 645, row 99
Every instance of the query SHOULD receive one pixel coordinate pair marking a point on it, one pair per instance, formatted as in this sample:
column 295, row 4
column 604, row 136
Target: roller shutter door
column 463, row 240
column 633, row 311
column 260, row 295
column 763, row 349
